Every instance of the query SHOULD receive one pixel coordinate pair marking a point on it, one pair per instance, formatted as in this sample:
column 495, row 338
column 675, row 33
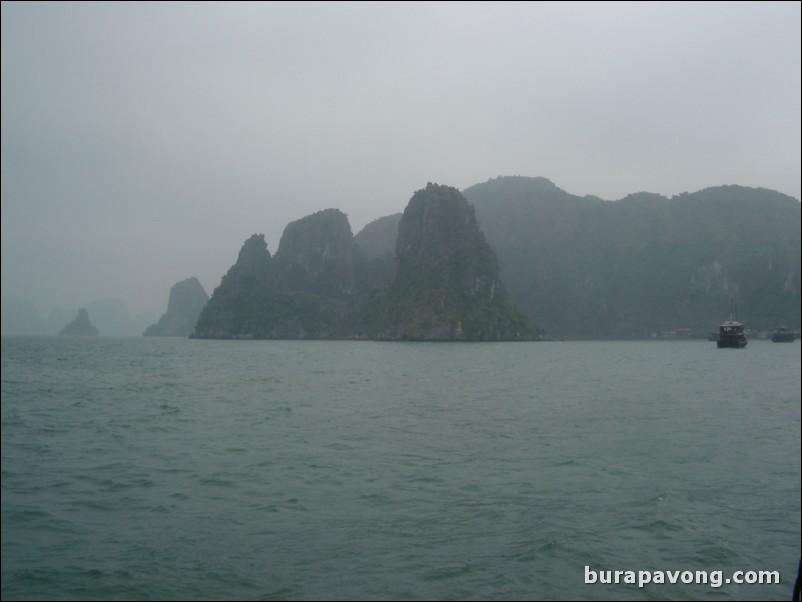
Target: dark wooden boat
column 731, row 333
column 782, row 335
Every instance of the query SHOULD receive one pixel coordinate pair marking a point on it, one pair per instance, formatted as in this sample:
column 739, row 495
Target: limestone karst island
column 641, row 267
column 80, row 326
column 186, row 302
column 441, row 283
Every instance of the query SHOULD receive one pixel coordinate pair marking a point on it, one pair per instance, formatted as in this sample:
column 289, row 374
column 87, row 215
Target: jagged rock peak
column 439, row 238
column 253, row 258
column 316, row 255
column 186, row 293
column 447, row 278
column 319, row 285
column 80, row 326
column 378, row 238
column 186, row 302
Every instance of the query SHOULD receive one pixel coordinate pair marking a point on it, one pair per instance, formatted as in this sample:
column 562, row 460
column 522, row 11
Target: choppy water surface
column 177, row 469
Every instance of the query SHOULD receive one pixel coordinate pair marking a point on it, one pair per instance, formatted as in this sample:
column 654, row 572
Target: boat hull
column 731, row 335
column 783, row 334
column 731, row 342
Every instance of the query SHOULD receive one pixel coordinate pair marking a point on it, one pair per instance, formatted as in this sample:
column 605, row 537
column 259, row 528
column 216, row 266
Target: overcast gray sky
column 142, row 143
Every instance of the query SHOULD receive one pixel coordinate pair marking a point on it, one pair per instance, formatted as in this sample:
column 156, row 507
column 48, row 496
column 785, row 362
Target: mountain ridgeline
column 584, row 267
column 440, row 283
column 581, row 267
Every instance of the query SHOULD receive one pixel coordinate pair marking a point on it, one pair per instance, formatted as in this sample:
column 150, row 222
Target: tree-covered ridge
column 442, row 282
column 316, row 255
column 582, row 266
column 645, row 263
column 446, row 284
column 304, row 291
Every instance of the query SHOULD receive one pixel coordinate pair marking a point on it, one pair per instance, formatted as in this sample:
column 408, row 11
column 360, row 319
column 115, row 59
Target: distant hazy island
column 80, row 326
column 184, row 306
column 20, row 316
column 441, row 283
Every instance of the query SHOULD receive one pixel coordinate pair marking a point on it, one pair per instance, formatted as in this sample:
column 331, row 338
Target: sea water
column 161, row 468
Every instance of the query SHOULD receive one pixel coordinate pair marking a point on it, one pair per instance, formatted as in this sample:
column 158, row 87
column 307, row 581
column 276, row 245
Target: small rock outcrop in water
column 80, row 326
column 186, row 302
column 441, row 284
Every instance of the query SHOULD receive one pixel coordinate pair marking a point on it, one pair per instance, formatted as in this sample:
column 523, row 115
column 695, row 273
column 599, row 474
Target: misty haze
column 356, row 300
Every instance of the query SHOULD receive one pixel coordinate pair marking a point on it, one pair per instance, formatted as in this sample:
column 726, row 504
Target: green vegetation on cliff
column 646, row 263
column 582, row 266
column 303, row 292
column 441, row 282
column 446, row 284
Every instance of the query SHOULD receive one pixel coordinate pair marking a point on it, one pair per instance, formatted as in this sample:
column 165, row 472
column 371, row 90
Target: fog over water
column 144, row 142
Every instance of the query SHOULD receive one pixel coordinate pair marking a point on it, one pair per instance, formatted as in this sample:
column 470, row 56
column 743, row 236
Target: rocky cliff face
column 305, row 291
column 374, row 258
column 316, row 255
column 80, row 326
column 446, row 285
column 186, row 302
column 644, row 264
column 442, row 283
column 235, row 309
column 440, row 246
